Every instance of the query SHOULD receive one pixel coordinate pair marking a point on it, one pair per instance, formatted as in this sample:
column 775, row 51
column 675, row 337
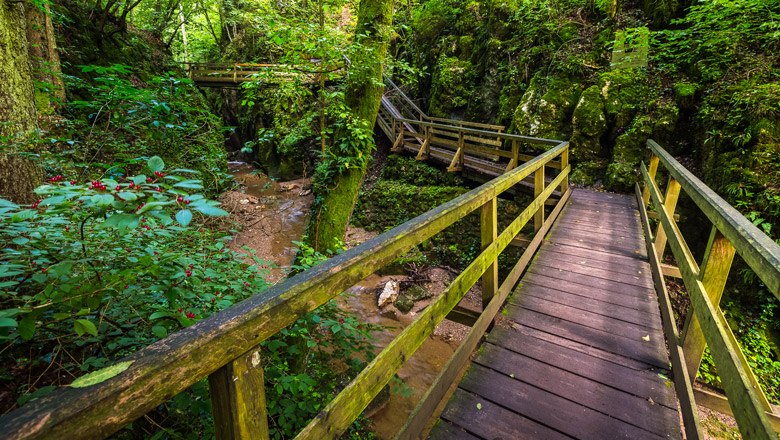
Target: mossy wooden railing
column 236, row 73
column 706, row 325
column 224, row 347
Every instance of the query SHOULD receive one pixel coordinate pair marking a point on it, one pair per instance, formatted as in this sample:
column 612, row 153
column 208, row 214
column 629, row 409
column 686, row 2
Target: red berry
column 72, row 182
column 44, row 270
column 190, row 315
column 187, row 201
column 180, row 310
column 149, row 180
column 188, row 272
column 118, row 188
column 341, row 320
column 208, row 278
column 125, row 286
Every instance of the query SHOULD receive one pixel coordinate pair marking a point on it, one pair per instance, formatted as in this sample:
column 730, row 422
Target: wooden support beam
column 238, row 399
column 399, row 141
column 425, row 149
column 515, row 152
column 538, row 188
column 462, row 315
column 670, row 271
column 718, row 402
column 564, row 164
column 457, row 159
column 670, row 204
column 654, row 160
column 489, row 232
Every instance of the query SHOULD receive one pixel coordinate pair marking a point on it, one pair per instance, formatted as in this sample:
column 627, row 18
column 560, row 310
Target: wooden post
column 457, row 158
column 564, row 164
column 670, row 204
column 398, row 145
column 714, row 272
column 515, row 152
column 651, row 172
column 489, row 229
column 538, row 189
column 426, row 146
column 238, row 399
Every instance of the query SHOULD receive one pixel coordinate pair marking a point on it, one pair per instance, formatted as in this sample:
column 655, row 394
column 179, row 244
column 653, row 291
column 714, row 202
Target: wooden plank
column 641, row 279
column 491, row 421
column 638, row 299
column 644, row 383
column 488, row 234
column 629, row 408
column 670, row 204
column 551, row 410
column 635, row 251
column 622, row 313
column 538, row 189
column 650, row 352
column 425, row 409
column 631, row 261
column 670, row 271
column 445, row 430
column 720, row 403
column 617, row 265
column 238, row 399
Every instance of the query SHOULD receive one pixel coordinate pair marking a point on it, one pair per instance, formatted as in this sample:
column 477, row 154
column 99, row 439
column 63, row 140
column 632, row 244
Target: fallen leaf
column 101, row 375
column 479, row 406
column 646, row 338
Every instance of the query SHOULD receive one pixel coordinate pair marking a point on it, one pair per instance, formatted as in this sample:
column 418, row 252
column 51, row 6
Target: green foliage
column 117, row 120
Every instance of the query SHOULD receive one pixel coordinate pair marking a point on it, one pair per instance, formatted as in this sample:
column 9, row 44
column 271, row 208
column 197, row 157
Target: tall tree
column 18, row 176
column 363, row 96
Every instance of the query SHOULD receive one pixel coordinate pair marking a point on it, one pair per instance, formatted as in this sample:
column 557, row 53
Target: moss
column 625, row 93
column 453, row 82
column 589, row 124
column 404, row 304
column 546, row 108
column 411, row 171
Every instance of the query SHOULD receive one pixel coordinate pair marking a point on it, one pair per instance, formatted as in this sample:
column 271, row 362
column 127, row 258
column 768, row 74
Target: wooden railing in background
column 224, row 347
column 215, row 74
column 706, row 325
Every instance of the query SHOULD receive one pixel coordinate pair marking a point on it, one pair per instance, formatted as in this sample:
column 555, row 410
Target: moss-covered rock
column 453, row 81
column 589, row 123
column 625, row 93
column 546, row 108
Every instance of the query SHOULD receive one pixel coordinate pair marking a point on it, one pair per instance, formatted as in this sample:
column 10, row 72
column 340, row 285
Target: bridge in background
column 580, row 340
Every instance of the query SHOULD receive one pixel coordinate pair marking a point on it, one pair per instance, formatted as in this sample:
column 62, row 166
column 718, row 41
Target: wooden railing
column 236, row 73
column 224, row 347
column 706, row 325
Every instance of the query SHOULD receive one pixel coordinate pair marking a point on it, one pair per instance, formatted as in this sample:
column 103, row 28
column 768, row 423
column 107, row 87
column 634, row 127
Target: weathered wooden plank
column 488, row 233
column 238, row 399
column 445, row 430
column 637, row 279
column 644, row 382
column 491, row 421
column 639, row 300
column 538, row 189
column 651, row 352
column 631, row 315
column 720, row 403
column 608, row 285
column 619, row 266
column 551, row 410
column 618, row 249
column 670, row 204
column 629, row 408
column 594, row 255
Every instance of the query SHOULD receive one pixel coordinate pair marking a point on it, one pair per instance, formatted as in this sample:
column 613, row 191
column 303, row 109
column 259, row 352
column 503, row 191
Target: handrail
column 507, row 136
column 224, row 346
column 731, row 234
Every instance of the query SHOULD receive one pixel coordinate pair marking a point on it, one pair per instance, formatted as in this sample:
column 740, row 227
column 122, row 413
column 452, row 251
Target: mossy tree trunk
column 17, row 91
column 363, row 96
column 18, row 176
column 44, row 58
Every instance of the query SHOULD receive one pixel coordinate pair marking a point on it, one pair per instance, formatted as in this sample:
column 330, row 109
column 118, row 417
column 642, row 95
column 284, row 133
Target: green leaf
column 122, row 221
column 8, row 204
column 20, row 240
column 211, row 211
column 158, row 315
column 127, row 195
column 184, row 217
column 102, row 199
column 101, row 375
column 155, row 164
column 139, row 179
column 189, row 184
column 8, row 322
column 153, row 205
column 26, row 327
column 159, row 331
column 23, row 215
column 81, row 326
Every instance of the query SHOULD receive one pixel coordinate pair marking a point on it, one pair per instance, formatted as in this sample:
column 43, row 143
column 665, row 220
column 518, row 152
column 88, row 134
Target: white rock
column 389, row 293
column 244, row 201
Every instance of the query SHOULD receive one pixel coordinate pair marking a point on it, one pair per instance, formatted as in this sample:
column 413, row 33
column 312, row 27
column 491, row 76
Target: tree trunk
column 18, row 175
column 363, row 96
column 17, row 91
column 44, row 58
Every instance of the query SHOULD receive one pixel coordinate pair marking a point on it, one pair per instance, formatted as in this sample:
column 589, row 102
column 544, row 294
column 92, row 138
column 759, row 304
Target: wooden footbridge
column 578, row 340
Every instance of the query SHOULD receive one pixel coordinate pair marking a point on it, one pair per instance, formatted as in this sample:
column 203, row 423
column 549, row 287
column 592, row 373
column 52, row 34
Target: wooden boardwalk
column 580, row 351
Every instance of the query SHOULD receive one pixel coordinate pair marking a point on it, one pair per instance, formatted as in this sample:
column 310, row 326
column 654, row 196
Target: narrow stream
column 274, row 215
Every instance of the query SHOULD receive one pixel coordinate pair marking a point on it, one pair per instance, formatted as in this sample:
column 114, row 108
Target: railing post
column 538, row 189
column 238, row 399
column 398, row 145
column 713, row 274
column 654, row 159
column 457, row 158
column 515, row 152
column 670, row 204
column 564, row 164
column 426, row 145
column 489, row 232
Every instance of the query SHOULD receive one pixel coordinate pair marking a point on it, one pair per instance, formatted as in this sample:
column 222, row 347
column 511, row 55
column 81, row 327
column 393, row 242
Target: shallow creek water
column 274, row 215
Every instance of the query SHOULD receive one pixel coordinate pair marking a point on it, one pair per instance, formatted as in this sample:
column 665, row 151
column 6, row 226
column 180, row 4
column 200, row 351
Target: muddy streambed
column 274, row 215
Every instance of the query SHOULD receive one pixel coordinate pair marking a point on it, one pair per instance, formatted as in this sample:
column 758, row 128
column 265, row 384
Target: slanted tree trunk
column 18, row 176
column 363, row 96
